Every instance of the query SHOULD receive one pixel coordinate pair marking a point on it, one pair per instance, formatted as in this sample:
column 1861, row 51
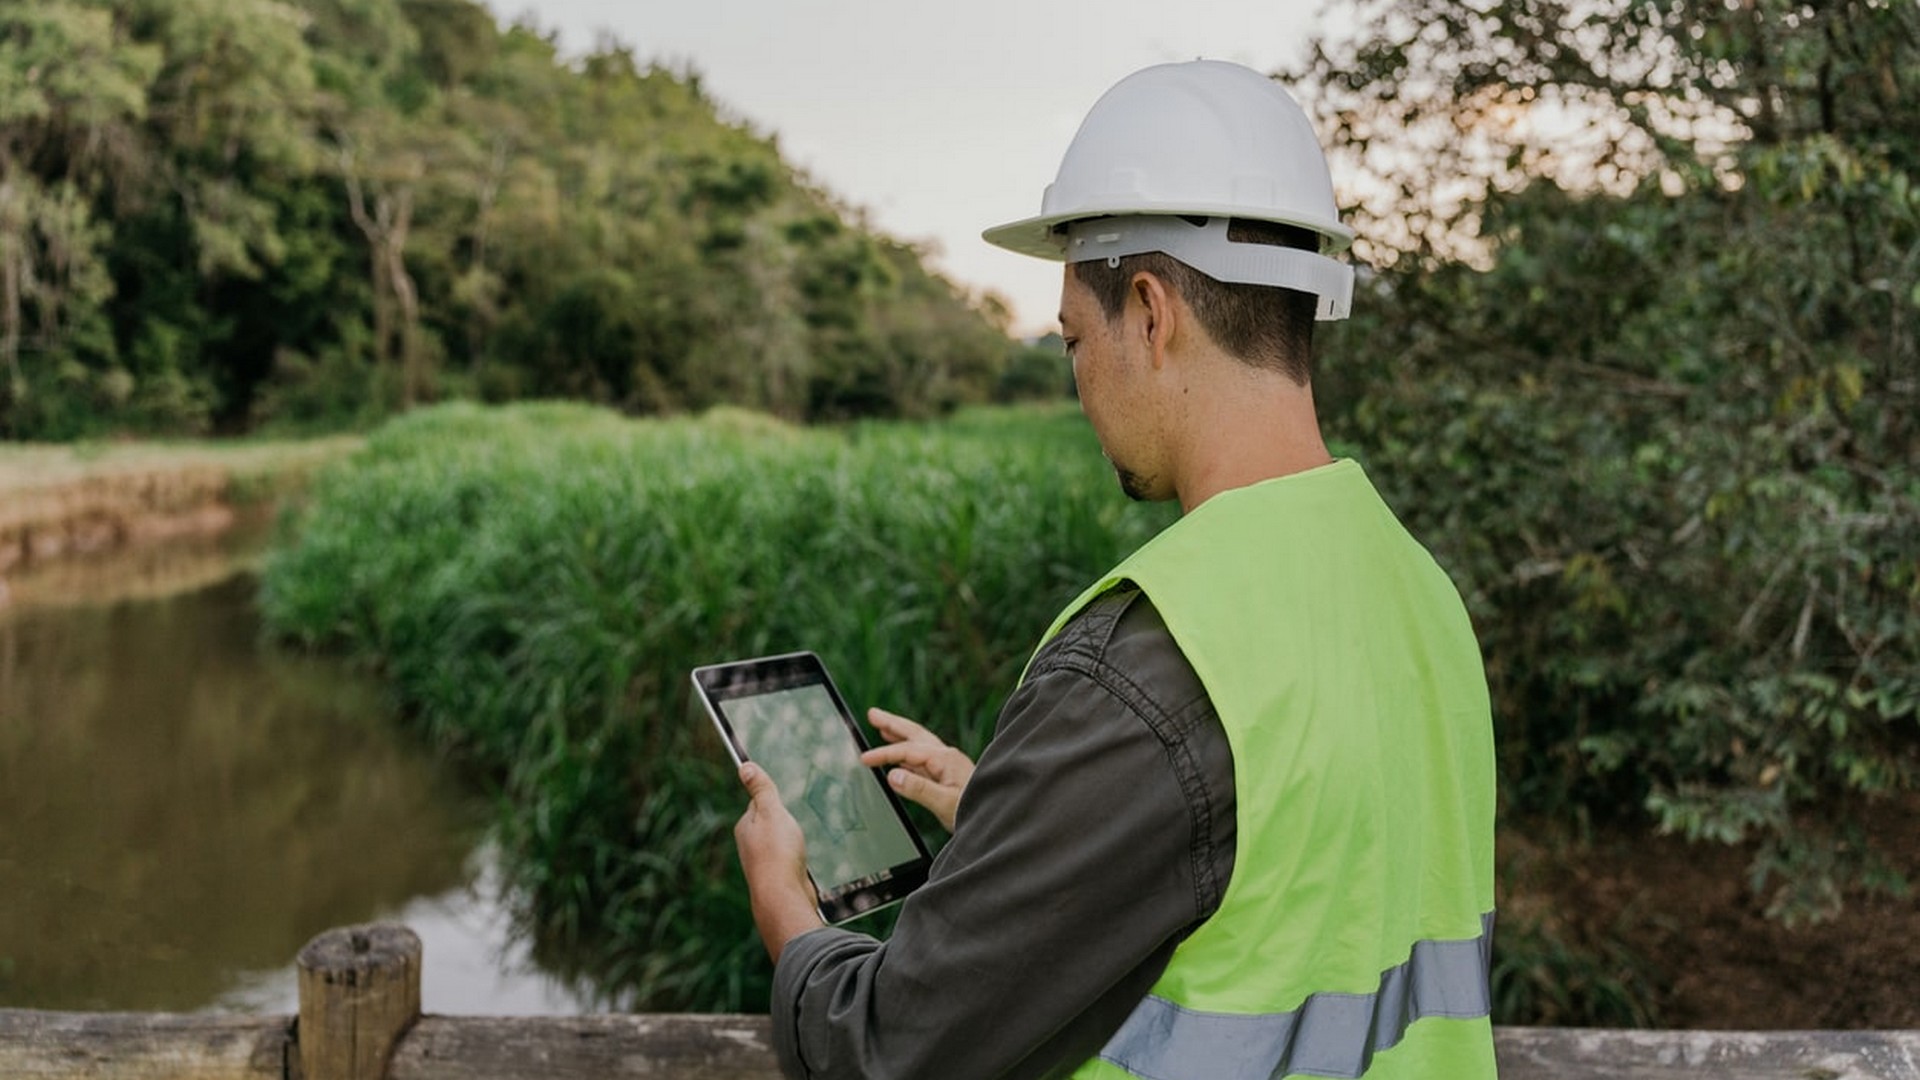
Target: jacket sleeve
column 1082, row 855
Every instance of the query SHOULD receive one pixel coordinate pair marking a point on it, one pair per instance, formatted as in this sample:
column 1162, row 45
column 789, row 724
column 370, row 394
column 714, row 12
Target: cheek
column 1091, row 384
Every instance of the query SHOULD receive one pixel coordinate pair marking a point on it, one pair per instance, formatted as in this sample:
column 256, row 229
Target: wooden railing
column 360, row 1019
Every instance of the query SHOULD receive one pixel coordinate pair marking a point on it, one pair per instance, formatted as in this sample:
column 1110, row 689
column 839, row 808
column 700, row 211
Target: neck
column 1249, row 429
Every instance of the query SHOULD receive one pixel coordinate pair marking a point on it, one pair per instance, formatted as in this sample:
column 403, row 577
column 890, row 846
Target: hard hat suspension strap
column 1207, row 249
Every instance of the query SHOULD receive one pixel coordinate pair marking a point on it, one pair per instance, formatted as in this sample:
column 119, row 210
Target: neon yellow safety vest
column 1354, row 935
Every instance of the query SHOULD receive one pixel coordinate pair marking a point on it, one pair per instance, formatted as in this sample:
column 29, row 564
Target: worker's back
column 1343, row 667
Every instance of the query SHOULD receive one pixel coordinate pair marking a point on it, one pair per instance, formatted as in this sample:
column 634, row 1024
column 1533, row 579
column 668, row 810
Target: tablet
column 783, row 713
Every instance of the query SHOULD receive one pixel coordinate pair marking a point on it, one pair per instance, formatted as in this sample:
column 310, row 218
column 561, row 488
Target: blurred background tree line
column 222, row 214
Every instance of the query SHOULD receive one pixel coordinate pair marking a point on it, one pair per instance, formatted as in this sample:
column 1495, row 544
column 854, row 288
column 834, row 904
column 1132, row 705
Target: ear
column 1157, row 311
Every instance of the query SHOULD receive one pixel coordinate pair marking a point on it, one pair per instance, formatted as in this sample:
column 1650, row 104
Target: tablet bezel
column 716, row 683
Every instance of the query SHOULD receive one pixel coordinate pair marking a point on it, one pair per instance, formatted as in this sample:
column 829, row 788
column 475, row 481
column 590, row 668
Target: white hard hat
column 1203, row 139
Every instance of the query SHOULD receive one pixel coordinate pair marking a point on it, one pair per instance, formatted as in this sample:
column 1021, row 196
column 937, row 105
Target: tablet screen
column 784, row 714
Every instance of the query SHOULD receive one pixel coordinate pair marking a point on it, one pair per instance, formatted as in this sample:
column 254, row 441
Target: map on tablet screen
column 783, row 713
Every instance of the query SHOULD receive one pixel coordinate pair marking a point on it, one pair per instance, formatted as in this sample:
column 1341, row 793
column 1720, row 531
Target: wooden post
column 359, row 993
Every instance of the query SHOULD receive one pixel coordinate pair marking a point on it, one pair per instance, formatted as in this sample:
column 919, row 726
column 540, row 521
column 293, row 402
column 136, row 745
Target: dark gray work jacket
column 1095, row 834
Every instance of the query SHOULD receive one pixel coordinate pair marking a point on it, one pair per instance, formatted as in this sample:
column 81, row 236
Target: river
column 184, row 804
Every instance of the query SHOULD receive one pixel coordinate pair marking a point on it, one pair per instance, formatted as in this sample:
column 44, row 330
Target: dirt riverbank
column 64, row 503
column 1679, row 929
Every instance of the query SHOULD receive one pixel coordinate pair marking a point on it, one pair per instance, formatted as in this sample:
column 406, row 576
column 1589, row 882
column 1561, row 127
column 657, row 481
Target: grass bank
column 537, row 581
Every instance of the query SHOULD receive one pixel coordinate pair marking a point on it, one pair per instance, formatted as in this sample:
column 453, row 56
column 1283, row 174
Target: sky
column 938, row 120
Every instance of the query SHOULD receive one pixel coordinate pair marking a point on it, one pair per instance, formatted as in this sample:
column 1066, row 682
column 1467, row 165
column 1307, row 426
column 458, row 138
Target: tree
column 233, row 107
column 1439, row 104
column 73, row 89
column 458, row 39
column 380, row 170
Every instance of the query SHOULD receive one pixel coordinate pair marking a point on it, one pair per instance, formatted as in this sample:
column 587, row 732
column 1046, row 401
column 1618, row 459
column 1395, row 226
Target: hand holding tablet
column 784, row 714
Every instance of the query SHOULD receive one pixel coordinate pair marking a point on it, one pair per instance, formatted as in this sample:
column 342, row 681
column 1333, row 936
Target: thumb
column 758, row 783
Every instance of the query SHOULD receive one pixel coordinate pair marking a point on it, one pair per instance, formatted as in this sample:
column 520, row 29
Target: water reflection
column 182, row 805
column 474, row 963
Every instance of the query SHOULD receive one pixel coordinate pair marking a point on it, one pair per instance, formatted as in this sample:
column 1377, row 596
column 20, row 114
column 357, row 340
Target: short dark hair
column 1263, row 325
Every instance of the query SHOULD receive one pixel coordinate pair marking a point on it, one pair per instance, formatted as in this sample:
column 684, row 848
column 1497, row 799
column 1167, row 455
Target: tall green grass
column 537, row 581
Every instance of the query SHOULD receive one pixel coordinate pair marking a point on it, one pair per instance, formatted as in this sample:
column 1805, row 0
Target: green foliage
column 1657, row 413
column 1036, row 372
column 190, row 189
column 1538, row 977
column 538, row 581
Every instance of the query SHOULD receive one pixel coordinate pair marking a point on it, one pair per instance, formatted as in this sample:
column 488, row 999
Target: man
column 1236, row 820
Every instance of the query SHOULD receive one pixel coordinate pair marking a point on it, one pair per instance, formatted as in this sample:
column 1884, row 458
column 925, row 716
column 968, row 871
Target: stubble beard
column 1132, row 484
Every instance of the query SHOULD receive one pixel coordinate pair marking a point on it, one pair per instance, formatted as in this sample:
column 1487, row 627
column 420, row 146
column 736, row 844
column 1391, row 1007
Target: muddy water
column 182, row 806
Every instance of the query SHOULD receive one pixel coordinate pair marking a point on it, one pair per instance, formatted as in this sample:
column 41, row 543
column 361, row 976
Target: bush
column 1684, row 516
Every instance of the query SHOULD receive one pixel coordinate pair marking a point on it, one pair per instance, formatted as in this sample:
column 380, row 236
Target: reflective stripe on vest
column 1328, row 1035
